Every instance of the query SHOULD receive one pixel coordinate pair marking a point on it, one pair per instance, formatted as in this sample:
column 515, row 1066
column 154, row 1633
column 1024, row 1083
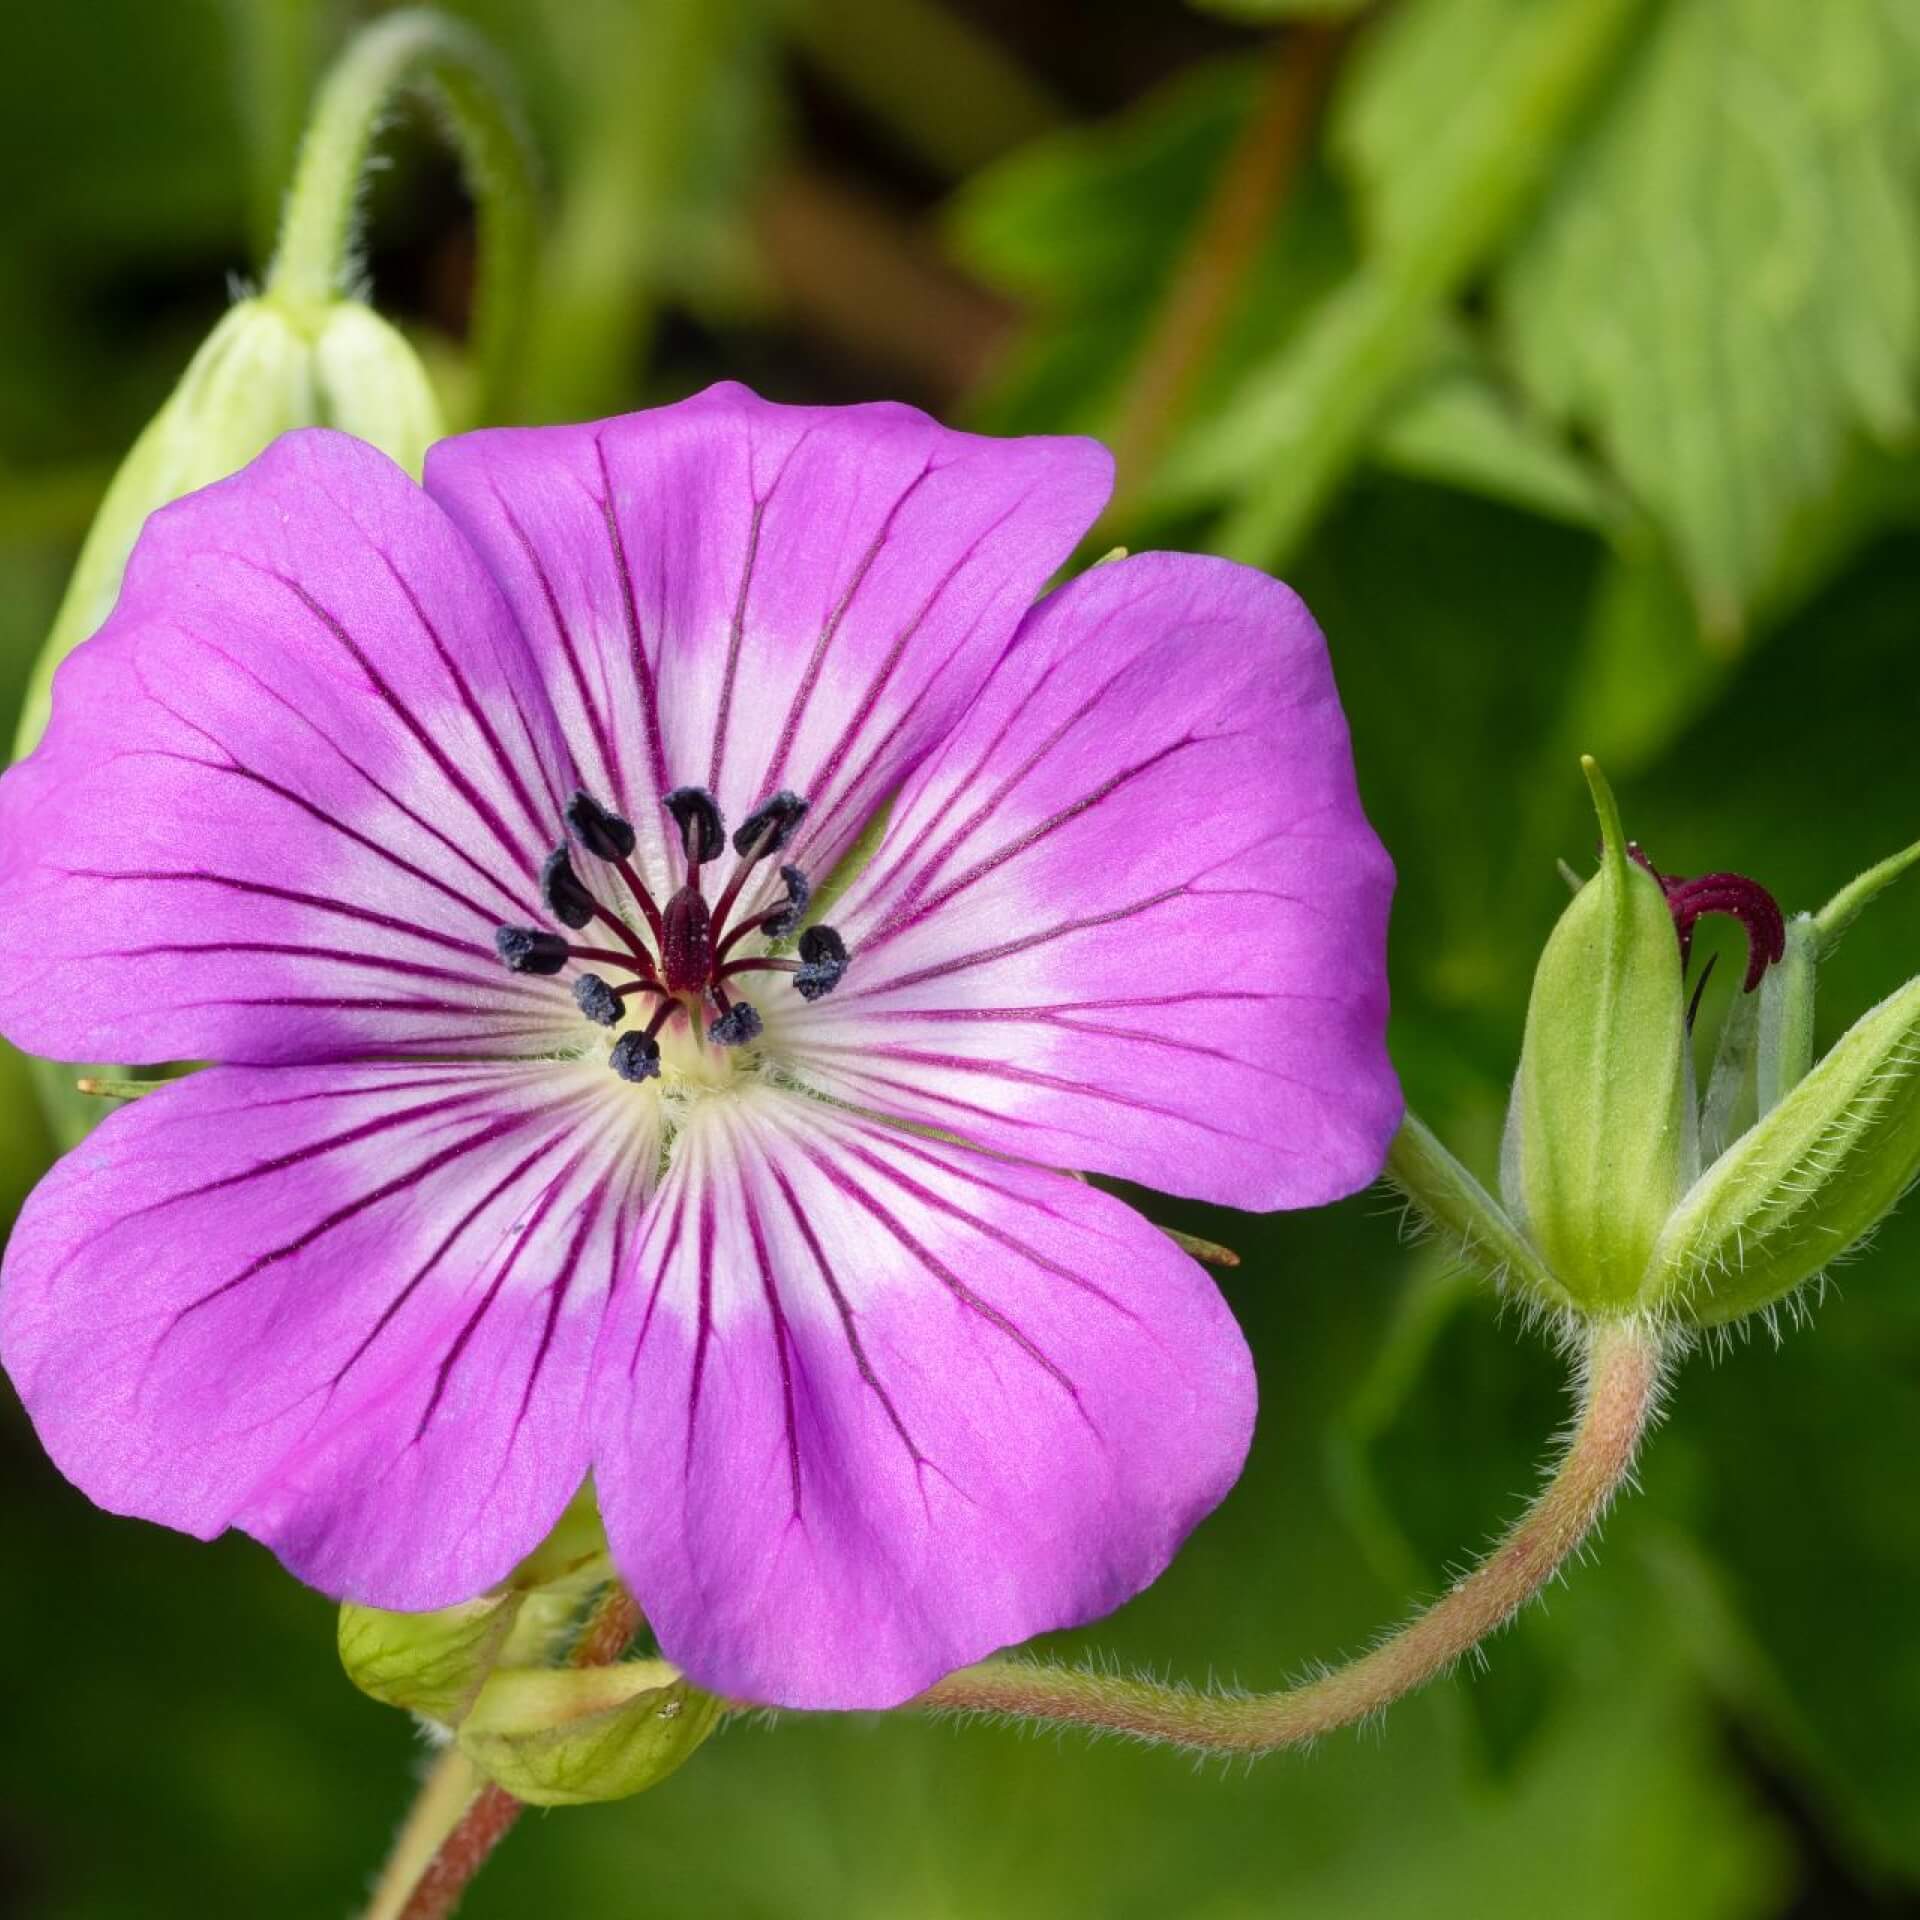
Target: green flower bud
column 260, row 372
column 1807, row 1181
column 570, row 1735
column 436, row 1663
column 429, row 1663
column 1602, row 1140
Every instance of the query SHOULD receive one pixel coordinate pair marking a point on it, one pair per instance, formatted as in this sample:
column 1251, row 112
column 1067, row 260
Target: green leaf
column 1458, row 429
column 1448, row 125
column 1725, row 284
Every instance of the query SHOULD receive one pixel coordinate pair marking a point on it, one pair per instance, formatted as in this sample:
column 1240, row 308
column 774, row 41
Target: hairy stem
column 1619, row 1393
column 423, row 52
column 452, row 1828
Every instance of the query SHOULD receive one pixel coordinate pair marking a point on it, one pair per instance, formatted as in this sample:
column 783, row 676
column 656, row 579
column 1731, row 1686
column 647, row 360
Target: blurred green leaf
column 1082, row 227
column 1457, row 428
column 1449, row 119
column 1725, row 284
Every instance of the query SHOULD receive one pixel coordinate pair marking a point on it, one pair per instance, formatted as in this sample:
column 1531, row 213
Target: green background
column 1564, row 354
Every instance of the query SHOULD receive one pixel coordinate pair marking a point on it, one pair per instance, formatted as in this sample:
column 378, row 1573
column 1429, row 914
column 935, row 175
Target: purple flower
column 470, row 830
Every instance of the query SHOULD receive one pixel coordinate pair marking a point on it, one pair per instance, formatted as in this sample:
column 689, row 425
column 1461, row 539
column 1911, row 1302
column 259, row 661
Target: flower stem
column 424, row 52
column 452, row 1828
column 1620, row 1378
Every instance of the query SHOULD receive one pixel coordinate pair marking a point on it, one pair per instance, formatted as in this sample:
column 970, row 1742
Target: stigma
column 689, row 963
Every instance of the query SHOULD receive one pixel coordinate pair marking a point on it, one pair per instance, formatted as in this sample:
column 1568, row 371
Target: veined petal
column 348, row 1309
column 288, row 791
column 869, row 1406
column 1131, row 917
column 745, row 597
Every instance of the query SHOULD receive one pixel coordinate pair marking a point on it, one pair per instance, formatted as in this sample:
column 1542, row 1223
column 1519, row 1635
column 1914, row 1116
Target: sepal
column 1602, row 1139
column 566, row 1736
column 1806, row 1182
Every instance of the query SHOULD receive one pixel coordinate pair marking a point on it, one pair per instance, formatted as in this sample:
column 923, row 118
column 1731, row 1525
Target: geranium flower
column 469, row 830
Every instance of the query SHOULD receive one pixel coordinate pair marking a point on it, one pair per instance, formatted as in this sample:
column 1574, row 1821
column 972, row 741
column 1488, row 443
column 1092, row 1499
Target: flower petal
column 348, row 1309
column 1131, row 917
column 869, row 1406
column 745, row 597
column 289, row 790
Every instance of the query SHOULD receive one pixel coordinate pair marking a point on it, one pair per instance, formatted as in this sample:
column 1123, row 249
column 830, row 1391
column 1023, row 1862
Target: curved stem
column 451, row 1828
column 422, row 52
column 1620, row 1383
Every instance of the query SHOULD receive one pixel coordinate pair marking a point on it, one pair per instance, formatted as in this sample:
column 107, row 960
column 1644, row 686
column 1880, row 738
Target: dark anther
column 823, row 962
column 604, row 835
column 697, row 815
column 782, row 920
column 597, row 1000
column 529, row 950
column 769, row 827
column 734, row 1028
column 635, row 1056
column 567, row 900
column 686, row 943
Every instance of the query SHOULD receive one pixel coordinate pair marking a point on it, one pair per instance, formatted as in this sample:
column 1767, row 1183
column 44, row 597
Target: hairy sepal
column 1807, row 1181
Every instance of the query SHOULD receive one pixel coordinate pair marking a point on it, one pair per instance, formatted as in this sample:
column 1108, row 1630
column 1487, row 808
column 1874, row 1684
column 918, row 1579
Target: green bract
column 1602, row 1139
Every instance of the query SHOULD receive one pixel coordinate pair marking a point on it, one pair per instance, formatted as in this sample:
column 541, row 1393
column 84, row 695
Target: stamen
column 739, row 1024
column 703, row 835
column 603, row 834
column 566, row 899
column 823, row 963
column 635, row 1057
column 769, row 827
column 597, row 1000
column 782, row 920
column 777, row 922
column 530, row 949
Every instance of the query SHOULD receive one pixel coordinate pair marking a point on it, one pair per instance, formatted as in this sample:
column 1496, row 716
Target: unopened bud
column 567, row 1736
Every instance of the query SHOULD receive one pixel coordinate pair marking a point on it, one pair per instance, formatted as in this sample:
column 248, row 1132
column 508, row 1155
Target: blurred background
column 1564, row 354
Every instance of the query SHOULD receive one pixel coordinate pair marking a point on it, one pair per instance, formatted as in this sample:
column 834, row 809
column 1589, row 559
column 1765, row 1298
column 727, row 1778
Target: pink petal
column 1131, row 917
column 348, row 1309
column 744, row 597
column 288, row 792
column 869, row 1407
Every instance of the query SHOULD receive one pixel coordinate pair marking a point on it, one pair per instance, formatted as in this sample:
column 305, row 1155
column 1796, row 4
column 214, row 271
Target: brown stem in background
column 859, row 274
column 1252, row 188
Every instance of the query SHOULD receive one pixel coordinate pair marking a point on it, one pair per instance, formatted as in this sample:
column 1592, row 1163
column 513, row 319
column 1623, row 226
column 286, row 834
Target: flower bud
column 436, row 1663
column 1807, row 1181
column 1601, row 1138
column 429, row 1663
column 566, row 1736
column 260, row 372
